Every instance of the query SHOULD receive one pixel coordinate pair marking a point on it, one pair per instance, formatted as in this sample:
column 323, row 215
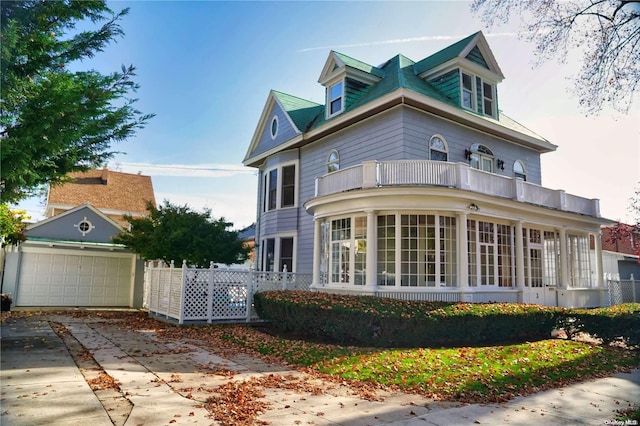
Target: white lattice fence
column 192, row 294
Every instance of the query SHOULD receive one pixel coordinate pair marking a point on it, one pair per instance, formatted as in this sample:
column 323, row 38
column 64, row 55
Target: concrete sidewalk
column 167, row 382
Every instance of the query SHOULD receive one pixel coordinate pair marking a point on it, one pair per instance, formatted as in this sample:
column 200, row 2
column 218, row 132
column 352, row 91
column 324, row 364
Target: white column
column 519, row 256
column 597, row 239
column 372, row 249
column 463, row 252
column 316, row 252
column 564, row 259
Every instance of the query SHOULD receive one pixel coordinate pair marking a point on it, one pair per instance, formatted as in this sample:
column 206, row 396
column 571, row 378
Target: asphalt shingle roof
column 121, row 191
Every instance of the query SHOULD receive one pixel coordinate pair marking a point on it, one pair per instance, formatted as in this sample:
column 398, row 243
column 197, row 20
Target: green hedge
column 379, row 322
column 619, row 323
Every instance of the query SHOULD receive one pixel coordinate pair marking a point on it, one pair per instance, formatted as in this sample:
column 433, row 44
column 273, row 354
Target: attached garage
column 69, row 261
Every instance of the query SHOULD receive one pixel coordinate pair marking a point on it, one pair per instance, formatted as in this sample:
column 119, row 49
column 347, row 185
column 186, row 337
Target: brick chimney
column 105, row 176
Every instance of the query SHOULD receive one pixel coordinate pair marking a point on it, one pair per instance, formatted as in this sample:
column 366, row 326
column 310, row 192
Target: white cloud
column 406, row 40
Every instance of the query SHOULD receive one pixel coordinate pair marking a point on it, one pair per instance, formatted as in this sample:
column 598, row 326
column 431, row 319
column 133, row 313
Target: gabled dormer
column 467, row 73
column 345, row 79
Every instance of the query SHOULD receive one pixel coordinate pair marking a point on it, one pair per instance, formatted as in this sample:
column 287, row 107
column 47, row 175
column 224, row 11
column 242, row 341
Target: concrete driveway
column 61, row 369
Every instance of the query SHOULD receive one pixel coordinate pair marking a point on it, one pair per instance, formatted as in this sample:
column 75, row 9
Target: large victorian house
column 410, row 182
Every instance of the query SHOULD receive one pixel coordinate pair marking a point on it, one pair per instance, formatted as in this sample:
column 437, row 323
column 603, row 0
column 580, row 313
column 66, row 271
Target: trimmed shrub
column 618, row 323
column 380, row 322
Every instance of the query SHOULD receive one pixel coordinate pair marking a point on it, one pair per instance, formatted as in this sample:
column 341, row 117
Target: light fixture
column 500, row 164
column 474, row 207
column 467, row 154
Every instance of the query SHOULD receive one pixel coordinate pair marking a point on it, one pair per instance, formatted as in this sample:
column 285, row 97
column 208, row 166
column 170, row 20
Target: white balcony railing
column 372, row 174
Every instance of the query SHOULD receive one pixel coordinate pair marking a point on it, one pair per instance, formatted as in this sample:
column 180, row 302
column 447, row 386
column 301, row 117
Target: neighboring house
column 115, row 194
column 68, row 259
column 620, row 254
column 410, row 182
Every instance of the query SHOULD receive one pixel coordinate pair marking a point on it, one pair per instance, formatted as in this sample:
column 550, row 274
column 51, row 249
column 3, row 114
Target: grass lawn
column 472, row 374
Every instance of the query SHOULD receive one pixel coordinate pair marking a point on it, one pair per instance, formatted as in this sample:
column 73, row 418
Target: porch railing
column 372, row 174
column 212, row 294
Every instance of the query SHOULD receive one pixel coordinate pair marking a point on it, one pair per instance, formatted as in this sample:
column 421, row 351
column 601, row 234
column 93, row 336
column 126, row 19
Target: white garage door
column 62, row 279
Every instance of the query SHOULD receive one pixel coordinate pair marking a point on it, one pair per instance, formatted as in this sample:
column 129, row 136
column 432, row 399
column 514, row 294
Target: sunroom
column 432, row 230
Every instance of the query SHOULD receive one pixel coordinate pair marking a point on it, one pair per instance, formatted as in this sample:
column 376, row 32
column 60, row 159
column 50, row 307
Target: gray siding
column 64, row 228
column 285, row 131
column 419, row 127
column 397, row 134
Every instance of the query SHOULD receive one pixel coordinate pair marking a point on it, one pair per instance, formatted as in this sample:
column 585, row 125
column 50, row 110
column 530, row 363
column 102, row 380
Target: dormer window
column 488, row 99
column 335, row 97
column 478, row 95
column 467, row 91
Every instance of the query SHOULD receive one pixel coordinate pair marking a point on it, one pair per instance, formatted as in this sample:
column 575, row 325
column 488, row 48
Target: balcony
column 373, row 174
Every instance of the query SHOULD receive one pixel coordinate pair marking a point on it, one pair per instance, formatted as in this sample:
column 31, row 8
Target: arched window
column 519, row 171
column 333, row 161
column 438, row 148
column 481, row 158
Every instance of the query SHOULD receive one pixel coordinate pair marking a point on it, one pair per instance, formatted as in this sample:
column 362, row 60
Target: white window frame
column 333, row 161
column 331, row 99
column 279, row 176
column 348, row 278
column 276, row 121
column 446, row 147
column 491, row 113
column 519, row 174
column 482, row 157
column 472, row 91
column 277, row 242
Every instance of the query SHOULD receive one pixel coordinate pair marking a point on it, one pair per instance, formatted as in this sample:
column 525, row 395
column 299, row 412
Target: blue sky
column 206, row 69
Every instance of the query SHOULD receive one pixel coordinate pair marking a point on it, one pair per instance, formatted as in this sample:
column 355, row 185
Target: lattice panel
column 624, row 291
column 196, row 293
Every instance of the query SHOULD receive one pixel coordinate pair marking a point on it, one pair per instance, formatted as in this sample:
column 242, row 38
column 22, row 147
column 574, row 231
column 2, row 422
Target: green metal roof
column 443, row 55
column 398, row 72
column 359, row 65
column 301, row 111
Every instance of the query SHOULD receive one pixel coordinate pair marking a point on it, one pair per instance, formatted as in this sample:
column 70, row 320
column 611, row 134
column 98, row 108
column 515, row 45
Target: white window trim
column 352, row 247
column 274, row 135
column 329, row 99
column 474, row 92
column 266, row 181
column 276, row 249
column 336, row 162
column 493, row 98
column 481, row 155
column 444, row 141
column 524, row 170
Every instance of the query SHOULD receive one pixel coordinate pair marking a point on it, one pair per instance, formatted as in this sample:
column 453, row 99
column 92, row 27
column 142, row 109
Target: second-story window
column 272, row 193
column 288, row 186
column 335, row 98
column 519, row 171
column 481, row 158
column 333, row 161
column 280, row 187
column 438, row 148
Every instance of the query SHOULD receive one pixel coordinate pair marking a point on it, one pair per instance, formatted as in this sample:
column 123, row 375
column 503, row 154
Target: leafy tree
column 53, row 120
column 607, row 32
column 12, row 225
column 179, row 233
